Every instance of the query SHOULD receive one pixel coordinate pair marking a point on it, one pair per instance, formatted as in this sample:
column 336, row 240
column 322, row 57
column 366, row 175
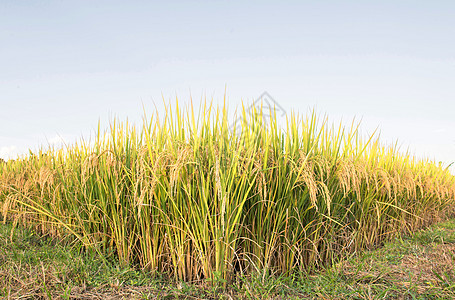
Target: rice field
column 184, row 195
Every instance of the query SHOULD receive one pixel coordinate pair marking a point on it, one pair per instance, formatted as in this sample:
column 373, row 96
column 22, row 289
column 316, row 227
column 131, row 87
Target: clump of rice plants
column 186, row 196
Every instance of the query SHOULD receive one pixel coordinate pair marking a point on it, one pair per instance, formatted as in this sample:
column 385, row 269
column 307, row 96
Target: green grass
column 418, row 266
column 33, row 266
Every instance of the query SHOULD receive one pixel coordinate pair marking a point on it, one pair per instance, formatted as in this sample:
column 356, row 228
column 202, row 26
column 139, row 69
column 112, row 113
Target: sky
column 65, row 65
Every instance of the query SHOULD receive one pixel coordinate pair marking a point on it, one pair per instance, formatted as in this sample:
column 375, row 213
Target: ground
column 420, row 266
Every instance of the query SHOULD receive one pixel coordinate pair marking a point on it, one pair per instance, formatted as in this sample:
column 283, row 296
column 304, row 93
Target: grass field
column 185, row 198
column 419, row 266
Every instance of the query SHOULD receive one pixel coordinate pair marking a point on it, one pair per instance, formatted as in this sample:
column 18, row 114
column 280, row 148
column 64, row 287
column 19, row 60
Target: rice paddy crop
column 186, row 196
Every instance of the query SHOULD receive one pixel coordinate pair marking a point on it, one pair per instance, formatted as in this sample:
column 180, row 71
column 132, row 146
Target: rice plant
column 186, row 196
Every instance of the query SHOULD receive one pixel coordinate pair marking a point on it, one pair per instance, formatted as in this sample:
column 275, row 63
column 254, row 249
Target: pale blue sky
column 66, row 64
